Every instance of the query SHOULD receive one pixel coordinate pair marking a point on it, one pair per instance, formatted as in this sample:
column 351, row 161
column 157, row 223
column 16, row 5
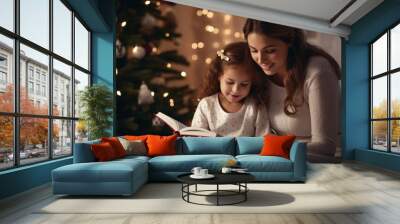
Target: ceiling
column 327, row 16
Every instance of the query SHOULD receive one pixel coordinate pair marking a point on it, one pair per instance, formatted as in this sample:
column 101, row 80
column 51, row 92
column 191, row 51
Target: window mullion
column 50, row 80
column 16, row 84
column 389, row 106
column 73, row 82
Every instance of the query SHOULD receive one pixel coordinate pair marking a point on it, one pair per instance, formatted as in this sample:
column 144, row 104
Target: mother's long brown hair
column 299, row 54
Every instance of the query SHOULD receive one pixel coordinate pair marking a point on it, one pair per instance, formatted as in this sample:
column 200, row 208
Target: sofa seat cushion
column 257, row 163
column 133, row 158
column 112, row 171
column 184, row 163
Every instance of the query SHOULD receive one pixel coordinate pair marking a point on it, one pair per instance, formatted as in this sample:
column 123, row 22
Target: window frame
column 388, row 74
column 16, row 114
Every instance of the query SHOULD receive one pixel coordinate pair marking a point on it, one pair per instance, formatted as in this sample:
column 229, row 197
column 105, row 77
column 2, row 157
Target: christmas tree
column 145, row 74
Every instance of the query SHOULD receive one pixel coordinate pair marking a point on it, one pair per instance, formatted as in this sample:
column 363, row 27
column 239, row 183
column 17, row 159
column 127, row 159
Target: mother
column 303, row 85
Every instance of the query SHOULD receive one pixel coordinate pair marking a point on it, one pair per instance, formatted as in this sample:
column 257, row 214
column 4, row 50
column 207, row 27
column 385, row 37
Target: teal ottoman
column 118, row 177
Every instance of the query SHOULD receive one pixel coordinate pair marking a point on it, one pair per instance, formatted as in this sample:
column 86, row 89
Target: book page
column 195, row 131
column 174, row 124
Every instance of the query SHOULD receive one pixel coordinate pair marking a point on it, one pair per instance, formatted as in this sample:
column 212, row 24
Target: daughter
column 232, row 95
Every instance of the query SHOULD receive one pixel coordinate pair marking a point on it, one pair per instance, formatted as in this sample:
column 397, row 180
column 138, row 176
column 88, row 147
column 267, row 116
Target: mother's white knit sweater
column 317, row 119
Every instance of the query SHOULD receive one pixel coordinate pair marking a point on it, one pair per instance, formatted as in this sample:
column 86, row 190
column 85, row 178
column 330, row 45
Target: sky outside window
column 7, row 14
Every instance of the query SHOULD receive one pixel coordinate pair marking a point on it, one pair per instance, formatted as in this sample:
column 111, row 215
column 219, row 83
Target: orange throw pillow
column 135, row 137
column 116, row 145
column 275, row 145
column 103, row 151
column 161, row 145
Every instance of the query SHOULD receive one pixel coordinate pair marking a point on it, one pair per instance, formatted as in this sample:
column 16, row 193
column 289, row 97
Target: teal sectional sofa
column 125, row 176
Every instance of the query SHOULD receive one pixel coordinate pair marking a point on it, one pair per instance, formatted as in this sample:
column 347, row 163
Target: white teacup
column 203, row 172
column 226, row 170
column 196, row 170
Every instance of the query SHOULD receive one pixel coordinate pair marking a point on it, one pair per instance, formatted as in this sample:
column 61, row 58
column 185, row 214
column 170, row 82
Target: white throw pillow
column 135, row 147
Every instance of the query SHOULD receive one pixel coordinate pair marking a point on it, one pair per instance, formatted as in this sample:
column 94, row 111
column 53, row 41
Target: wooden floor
column 377, row 188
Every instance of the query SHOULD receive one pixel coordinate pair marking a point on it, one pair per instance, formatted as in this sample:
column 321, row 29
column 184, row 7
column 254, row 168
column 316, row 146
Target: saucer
column 208, row 176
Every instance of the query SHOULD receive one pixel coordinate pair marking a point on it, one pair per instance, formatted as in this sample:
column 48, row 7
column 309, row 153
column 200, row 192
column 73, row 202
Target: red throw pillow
column 275, row 145
column 116, row 145
column 161, row 145
column 103, row 151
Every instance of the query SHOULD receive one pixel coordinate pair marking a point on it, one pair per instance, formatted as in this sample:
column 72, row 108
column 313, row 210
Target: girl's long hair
column 239, row 55
column 298, row 57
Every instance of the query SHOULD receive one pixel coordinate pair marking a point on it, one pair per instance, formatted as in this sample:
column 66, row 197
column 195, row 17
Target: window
column 30, row 73
column 37, row 74
column 3, row 72
column 385, row 92
column 3, row 61
column 38, row 89
column 41, row 82
column 30, row 87
column 44, row 91
column 3, row 78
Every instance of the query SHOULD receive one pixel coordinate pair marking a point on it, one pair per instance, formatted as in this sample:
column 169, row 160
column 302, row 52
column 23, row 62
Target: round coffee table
column 238, row 179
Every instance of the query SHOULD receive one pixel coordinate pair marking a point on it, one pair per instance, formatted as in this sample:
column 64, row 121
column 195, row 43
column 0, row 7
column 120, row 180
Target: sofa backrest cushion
column 249, row 145
column 206, row 145
column 83, row 153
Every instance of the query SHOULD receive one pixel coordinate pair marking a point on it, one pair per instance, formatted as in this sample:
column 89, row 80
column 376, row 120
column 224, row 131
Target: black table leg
column 245, row 193
column 217, row 194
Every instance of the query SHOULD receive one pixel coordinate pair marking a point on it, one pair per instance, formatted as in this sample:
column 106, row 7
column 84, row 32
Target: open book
column 183, row 129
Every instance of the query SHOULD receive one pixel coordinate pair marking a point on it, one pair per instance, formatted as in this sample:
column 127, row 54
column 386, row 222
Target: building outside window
column 385, row 91
column 34, row 75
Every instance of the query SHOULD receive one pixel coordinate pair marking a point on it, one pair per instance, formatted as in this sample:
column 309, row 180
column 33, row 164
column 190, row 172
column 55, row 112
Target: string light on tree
column 204, row 11
column 167, row 34
column 154, row 50
column 183, row 74
column 195, row 57
column 169, row 65
column 209, row 28
column 227, row 18
column 216, row 31
column 194, row 46
column 171, row 103
column 116, row 71
column 210, row 15
column 147, row 2
column 237, row 35
column 208, row 60
column 199, row 12
column 165, row 95
column 200, row 44
column 152, row 93
column 123, row 24
column 118, row 93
